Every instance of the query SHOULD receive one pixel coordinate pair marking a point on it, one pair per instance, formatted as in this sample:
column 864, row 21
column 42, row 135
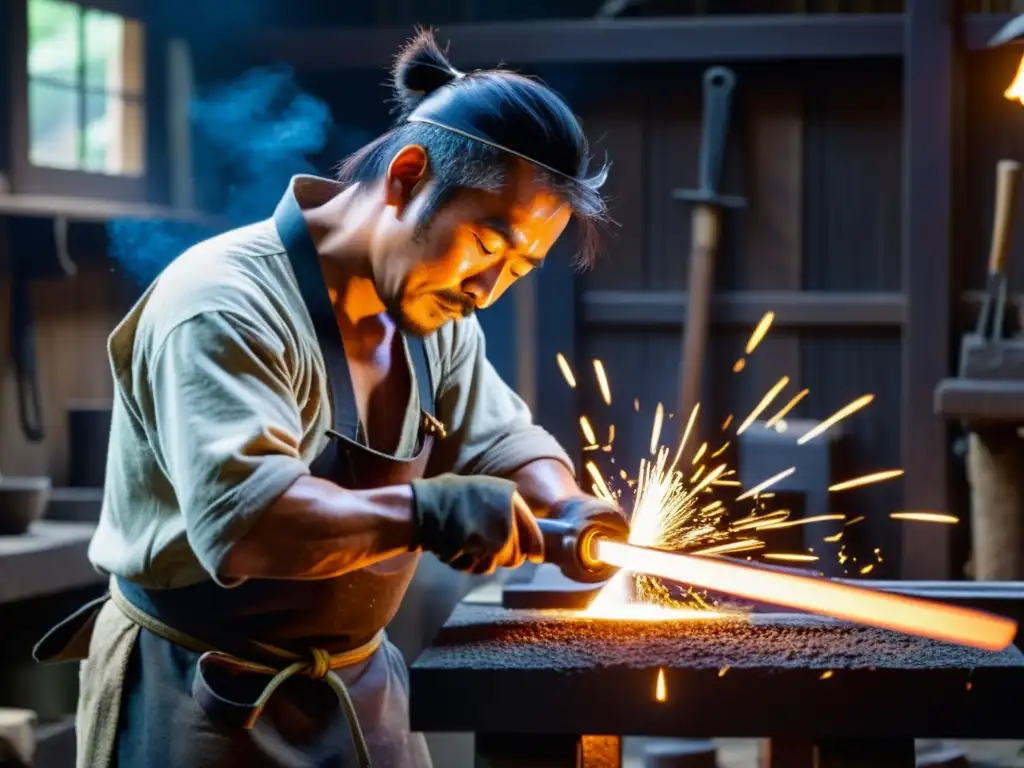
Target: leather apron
column 202, row 699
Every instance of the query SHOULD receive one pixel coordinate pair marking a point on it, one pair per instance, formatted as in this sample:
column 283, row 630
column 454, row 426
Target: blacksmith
column 302, row 407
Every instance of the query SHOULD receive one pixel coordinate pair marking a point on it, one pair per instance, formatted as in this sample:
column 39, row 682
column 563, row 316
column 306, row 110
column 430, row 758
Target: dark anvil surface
column 498, row 670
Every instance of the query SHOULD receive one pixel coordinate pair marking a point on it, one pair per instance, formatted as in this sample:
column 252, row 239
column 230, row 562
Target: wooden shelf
column 96, row 210
column 696, row 39
column 51, row 557
column 792, row 308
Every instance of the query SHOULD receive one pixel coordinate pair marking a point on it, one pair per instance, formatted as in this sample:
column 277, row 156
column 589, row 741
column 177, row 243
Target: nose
column 486, row 286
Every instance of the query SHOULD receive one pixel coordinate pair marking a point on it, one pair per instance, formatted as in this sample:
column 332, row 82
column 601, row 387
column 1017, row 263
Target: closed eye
column 483, row 247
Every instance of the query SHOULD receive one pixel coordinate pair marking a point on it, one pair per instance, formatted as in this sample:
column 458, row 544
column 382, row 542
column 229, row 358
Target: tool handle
column 718, row 86
column 1008, row 173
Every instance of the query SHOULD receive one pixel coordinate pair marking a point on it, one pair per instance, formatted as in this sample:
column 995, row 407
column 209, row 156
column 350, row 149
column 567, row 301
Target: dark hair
column 508, row 109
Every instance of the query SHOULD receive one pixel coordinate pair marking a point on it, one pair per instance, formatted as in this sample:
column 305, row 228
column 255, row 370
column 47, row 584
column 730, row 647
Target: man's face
column 475, row 247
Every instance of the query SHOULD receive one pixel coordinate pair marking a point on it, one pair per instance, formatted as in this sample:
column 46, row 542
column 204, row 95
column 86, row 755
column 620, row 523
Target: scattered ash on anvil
column 485, row 637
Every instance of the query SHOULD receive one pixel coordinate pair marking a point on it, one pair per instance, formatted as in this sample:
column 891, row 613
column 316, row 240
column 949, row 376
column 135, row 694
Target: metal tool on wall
column 993, row 310
column 705, row 236
column 39, row 248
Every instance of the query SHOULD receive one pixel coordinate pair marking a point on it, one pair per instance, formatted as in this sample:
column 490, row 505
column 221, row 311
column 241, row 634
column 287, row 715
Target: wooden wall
column 819, row 160
column 73, row 318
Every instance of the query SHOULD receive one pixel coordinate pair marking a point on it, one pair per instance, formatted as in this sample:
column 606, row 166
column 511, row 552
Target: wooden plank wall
column 73, row 319
column 819, row 159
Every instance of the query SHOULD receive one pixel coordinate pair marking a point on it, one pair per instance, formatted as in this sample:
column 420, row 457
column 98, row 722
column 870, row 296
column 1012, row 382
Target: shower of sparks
column 563, row 364
column 588, row 431
column 874, row 477
column 802, row 521
column 826, row 674
column 739, row 365
column 836, row 417
column 766, row 484
column 867, row 569
column 770, row 395
column 676, row 506
column 660, row 693
column 760, row 331
column 858, row 519
column 602, row 382
column 787, row 408
column 793, row 557
column 925, row 517
column 659, row 415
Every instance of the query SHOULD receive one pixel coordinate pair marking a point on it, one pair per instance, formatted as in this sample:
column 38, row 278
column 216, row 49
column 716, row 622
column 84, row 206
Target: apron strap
column 302, row 255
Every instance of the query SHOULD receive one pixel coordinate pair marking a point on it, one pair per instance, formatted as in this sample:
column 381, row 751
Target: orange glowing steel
column 602, row 382
column 874, row 477
column 925, row 517
column 836, row 417
column 660, row 694
column 760, row 331
column 566, row 370
column 842, row 601
column 770, row 395
column 1016, row 90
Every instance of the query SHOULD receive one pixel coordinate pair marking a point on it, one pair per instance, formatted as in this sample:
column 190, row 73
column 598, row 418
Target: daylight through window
column 85, row 70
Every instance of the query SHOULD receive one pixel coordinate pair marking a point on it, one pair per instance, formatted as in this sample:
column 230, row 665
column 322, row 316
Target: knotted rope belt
column 319, row 665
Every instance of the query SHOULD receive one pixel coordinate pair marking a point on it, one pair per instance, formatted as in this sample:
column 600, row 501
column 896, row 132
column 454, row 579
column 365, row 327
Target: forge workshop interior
column 795, row 366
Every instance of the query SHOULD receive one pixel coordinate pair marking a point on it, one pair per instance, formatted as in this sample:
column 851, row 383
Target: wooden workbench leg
column 504, row 750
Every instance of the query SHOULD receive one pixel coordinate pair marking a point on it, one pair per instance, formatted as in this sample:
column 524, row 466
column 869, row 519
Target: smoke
column 249, row 137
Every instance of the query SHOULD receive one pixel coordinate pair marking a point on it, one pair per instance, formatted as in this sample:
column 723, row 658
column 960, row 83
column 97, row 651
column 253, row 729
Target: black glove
column 473, row 524
column 607, row 515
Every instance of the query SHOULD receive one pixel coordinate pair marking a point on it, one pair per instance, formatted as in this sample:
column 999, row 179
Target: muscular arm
column 224, row 423
column 544, row 483
column 317, row 530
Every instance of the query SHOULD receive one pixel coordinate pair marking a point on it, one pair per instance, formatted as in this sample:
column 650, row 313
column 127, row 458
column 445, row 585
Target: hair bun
column 420, row 69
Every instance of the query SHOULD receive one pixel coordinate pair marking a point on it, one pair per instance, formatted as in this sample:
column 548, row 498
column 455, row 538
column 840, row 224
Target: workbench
column 534, row 685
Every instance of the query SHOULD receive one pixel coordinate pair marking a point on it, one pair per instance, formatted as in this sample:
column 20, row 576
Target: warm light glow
column 925, row 517
column 791, row 557
column 842, row 601
column 602, row 382
column 874, row 477
column 660, row 694
column 563, row 364
column 760, row 331
column 836, row 417
column 1016, row 90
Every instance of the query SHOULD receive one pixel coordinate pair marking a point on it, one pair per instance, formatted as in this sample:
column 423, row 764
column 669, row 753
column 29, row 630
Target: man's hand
column 596, row 511
column 474, row 524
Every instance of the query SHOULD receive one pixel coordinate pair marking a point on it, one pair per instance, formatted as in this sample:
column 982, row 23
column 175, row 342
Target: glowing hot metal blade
column 841, row 601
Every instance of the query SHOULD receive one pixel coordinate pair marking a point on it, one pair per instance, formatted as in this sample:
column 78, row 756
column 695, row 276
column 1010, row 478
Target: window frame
column 25, row 177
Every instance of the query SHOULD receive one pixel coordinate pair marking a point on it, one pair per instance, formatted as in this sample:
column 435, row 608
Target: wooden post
column 930, row 81
column 995, row 470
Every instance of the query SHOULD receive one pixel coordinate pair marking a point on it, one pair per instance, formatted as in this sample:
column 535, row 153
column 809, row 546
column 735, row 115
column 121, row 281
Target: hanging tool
column 708, row 206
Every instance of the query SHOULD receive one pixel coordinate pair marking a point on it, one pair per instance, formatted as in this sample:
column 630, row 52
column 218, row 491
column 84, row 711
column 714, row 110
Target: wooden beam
column 735, row 38
column 794, row 309
column 929, row 134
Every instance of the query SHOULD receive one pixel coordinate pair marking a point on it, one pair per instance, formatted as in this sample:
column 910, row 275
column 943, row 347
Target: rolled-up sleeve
column 226, row 427
column 490, row 428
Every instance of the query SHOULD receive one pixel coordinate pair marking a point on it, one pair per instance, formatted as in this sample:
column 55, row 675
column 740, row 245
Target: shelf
column 694, row 39
column 816, row 309
column 95, row 210
column 51, row 557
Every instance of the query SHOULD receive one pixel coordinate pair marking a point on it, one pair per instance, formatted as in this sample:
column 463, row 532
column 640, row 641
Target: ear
column 406, row 172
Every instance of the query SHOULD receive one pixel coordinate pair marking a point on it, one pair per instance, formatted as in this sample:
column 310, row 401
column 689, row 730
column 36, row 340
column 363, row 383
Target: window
column 85, row 90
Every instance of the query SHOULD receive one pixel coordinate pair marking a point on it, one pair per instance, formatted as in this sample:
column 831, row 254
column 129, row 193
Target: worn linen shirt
column 221, row 402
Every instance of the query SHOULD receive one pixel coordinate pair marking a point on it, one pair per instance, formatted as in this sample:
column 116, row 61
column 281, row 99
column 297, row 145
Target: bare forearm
column 544, row 483
column 317, row 530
